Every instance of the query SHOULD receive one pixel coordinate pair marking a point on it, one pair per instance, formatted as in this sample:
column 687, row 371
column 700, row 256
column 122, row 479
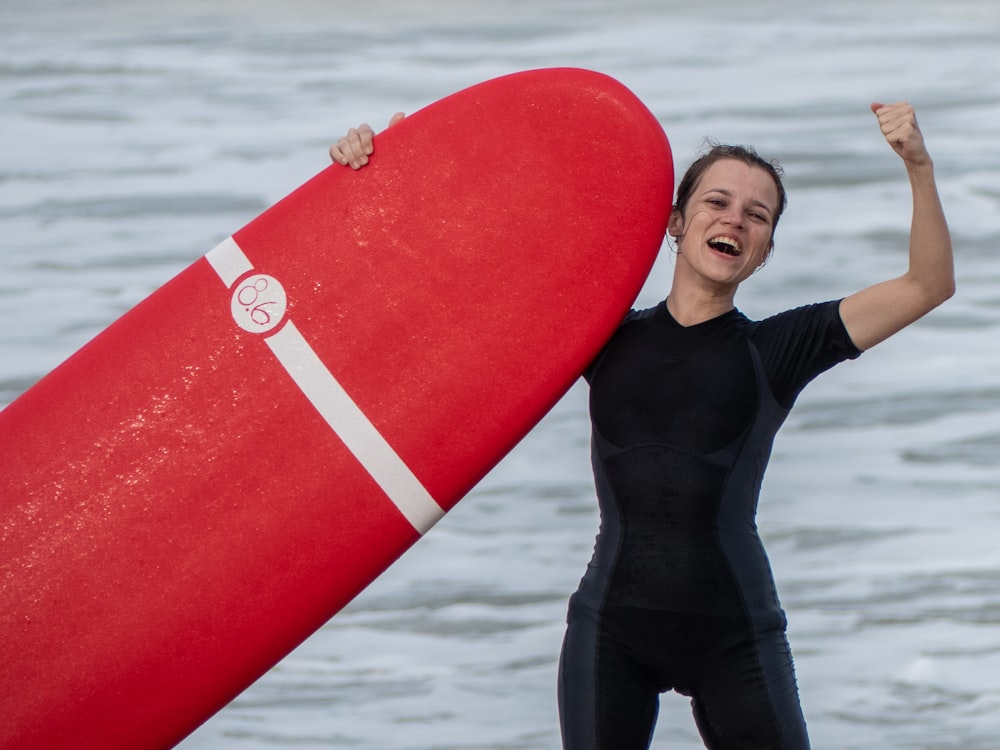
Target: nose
column 734, row 217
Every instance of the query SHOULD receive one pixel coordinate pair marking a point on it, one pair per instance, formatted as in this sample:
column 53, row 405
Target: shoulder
column 646, row 314
column 638, row 326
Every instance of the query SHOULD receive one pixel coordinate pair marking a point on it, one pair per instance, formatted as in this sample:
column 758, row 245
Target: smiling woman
column 685, row 401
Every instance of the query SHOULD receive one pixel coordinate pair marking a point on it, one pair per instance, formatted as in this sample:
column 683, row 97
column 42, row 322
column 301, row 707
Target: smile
column 726, row 245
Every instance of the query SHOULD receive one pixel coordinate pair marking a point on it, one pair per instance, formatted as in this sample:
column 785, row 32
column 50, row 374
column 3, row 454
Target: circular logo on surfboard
column 259, row 303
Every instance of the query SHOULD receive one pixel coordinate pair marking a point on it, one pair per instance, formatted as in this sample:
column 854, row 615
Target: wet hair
column 717, row 152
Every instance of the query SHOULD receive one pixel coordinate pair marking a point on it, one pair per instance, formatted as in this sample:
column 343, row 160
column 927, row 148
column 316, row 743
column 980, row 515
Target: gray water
column 135, row 135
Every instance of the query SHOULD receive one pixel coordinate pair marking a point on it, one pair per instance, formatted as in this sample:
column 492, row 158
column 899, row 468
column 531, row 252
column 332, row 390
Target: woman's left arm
column 876, row 313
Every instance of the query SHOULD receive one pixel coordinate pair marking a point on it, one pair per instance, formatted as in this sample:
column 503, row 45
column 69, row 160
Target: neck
column 694, row 298
column 690, row 307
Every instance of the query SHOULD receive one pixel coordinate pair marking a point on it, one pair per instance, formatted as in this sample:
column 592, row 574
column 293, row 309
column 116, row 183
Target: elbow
column 942, row 291
column 949, row 292
column 948, row 287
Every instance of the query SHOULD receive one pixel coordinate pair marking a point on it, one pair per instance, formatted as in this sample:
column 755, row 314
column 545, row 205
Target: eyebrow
column 729, row 194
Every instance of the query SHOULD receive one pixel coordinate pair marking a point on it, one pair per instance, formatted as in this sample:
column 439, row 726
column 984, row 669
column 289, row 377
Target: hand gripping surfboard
column 208, row 481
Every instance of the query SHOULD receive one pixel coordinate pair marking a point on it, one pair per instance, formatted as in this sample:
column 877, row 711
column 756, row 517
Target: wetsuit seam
column 753, row 627
column 747, row 447
column 605, row 591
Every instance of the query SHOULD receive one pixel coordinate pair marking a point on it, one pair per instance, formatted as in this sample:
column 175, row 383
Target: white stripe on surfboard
column 229, row 261
column 354, row 428
column 336, row 406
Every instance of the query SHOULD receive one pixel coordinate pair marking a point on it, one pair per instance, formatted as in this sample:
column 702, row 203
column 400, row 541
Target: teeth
column 726, row 245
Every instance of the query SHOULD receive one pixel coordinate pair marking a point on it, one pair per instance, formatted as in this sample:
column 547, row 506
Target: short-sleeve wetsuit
column 679, row 593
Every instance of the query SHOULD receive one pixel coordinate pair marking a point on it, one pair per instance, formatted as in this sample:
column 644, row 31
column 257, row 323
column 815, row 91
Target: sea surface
column 135, row 135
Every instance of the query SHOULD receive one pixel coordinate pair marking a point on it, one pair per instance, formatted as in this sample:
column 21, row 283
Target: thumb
column 876, row 106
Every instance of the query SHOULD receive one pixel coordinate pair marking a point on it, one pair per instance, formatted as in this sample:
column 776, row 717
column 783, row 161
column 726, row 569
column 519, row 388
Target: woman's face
column 724, row 233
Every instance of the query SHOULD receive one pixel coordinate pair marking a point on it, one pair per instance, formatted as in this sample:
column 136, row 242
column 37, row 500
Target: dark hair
column 718, row 152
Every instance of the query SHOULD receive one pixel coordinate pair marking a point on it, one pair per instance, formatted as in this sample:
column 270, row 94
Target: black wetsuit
column 679, row 594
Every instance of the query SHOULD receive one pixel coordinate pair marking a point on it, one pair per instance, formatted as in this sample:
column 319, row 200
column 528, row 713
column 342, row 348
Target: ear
column 767, row 255
column 675, row 226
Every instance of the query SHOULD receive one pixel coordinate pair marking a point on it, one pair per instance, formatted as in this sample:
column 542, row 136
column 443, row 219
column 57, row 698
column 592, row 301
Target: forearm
column 931, row 264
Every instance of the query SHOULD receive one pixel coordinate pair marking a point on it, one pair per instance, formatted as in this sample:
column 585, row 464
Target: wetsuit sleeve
column 797, row 345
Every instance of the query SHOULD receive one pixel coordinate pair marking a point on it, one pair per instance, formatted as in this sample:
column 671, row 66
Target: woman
column 685, row 402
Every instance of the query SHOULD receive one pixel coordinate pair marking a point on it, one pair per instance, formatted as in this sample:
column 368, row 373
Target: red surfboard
column 202, row 486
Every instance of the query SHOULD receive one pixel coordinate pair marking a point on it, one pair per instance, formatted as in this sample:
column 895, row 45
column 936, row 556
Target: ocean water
column 135, row 135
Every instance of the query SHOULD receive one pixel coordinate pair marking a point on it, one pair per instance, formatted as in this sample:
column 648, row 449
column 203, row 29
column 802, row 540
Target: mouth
column 726, row 245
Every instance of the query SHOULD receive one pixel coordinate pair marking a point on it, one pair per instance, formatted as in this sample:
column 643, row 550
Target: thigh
column 605, row 700
column 748, row 699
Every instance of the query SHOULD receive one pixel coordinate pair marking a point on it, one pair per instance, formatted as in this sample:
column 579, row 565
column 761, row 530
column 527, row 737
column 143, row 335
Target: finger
column 358, row 144
column 893, row 114
column 354, row 148
column 337, row 154
column 361, row 138
column 342, row 152
column 895, row 119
